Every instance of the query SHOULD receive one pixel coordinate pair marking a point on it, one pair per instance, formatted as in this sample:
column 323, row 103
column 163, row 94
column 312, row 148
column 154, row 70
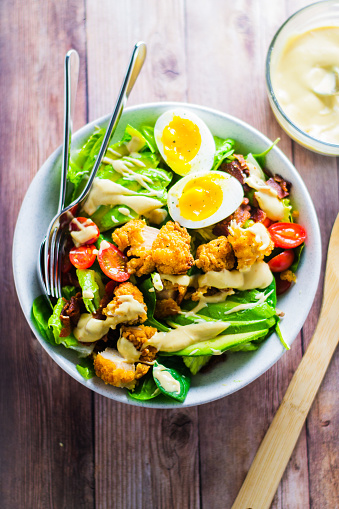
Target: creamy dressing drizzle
column 127, row 350
column 258, row 275
column 261, row 235
column 186, row 335
column 204, row 300
column 181, row 280
column 166, row 379
column 90, row 329
column 124, row 211
column 106, row 192
column 85, row 233
column 267, row 197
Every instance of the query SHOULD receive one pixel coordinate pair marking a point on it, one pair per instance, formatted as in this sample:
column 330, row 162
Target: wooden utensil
column 269, row 464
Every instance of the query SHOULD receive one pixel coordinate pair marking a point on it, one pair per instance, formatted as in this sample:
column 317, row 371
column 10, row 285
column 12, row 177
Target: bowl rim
column 59, row 359
column 269, row 81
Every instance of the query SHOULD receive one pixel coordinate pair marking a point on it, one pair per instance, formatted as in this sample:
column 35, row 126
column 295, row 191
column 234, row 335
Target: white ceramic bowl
column 239, row 369
column 319, row 14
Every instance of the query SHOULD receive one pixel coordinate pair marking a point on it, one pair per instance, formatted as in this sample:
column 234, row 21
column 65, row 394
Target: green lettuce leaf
column 55, row 324
column 195, row 364
column 261, row 158
column 175, row 368
column 146, row 389
column 90, row 281
column 86, row 368
column 224, row 149
column 40, row 314
column 147, row 289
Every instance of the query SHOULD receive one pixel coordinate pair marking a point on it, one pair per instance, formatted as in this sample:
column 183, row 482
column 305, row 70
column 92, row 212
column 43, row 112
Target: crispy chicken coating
column 127, row 306
column 113, row 369
column 138, row 336
column 250, row 245
column 171, row 250
column 288, row 275
column 165, row 308
column 138, row 237
column 172, row 291
column 215, row 255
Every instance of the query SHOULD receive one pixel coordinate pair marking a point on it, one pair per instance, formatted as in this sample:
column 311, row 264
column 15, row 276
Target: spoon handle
column 269, row 464
column 70, row 89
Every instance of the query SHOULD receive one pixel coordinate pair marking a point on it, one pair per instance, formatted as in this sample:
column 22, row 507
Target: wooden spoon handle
column 269, row 464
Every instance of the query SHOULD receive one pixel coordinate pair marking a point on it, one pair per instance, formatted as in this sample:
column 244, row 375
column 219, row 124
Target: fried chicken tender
column 113, row 369
column 138, row 237
column 249, row 245
column 127, row 306
column 171, row 250
column 216, row 255
column 138, row 336
column 165, row 308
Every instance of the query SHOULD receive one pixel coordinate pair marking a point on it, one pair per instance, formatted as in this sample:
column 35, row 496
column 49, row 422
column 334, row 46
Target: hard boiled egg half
column 205, row 198
column 184, row 141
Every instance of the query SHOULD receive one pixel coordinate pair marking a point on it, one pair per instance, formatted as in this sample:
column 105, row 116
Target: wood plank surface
column 60, row 445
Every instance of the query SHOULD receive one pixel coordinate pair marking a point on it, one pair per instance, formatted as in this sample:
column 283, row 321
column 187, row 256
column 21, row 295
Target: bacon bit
column 258, row 215
column 237, row 168
column 280, row 185
column 109, row 289
column 240, row 216
column 70, row 314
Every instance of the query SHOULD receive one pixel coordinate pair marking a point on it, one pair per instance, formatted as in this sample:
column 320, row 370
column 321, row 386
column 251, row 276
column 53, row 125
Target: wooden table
column 61, row 445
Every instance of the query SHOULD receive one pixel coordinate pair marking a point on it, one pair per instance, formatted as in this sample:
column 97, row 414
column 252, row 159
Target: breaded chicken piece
column 138, row 237
column 127, row 306
column 250, row 245
column 172, row 291
column 215, row 255
column 113, row 369
column 165, row 308
column 171, row 250
column 138, row 336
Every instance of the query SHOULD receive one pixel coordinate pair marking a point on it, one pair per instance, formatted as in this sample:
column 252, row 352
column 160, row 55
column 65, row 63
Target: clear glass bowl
column 320, row 14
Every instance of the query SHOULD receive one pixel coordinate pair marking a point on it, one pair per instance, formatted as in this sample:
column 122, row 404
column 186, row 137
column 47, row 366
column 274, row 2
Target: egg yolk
column 181, row 139
column 201, row 198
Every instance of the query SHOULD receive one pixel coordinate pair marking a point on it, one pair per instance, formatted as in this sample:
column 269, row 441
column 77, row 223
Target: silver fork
column 71, row 76
column 59, row 225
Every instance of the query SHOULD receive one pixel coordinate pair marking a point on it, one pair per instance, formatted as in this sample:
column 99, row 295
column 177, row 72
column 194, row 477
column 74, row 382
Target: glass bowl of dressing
column 302, row 77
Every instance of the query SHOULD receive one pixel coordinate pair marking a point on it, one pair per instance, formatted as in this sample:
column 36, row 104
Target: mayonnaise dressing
column 166, row 379
column 180, row 280
column 267, row 197
column 301, row 74
column 258, row 275
column 90, row 329
column 186, row 335
column 106, row 192
column 261, row 235
column 86, row 231
column 127, row 350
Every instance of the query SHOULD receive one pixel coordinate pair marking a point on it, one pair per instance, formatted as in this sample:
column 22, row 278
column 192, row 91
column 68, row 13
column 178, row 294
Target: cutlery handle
column 269, row 464
column 70, row 90
column 134, row 68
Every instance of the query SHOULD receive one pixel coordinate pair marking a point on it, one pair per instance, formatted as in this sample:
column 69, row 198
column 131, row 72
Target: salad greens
column 250, row 315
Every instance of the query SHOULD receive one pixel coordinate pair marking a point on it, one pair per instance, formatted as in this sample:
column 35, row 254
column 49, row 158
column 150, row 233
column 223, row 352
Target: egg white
column 233, row 195
column 205, row 157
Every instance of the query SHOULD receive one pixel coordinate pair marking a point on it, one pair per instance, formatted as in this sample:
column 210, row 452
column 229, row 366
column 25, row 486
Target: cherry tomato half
column 112, row 262
column 282, row 261
column 282, row 285
column 82, row 224
column 287, row 235
column 83, row 257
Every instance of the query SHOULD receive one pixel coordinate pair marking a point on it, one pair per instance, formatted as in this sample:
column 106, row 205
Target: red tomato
column 86, row 222
column 83, row 257
column 287, row 235
column 282, row 285
column 282, row 261
column 112, row 262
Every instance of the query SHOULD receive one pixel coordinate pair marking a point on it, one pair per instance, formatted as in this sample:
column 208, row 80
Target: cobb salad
column 178, row 256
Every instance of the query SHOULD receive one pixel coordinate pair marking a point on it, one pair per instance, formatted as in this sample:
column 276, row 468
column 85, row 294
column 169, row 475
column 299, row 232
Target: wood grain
column 116, row 456
column 45, row 446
